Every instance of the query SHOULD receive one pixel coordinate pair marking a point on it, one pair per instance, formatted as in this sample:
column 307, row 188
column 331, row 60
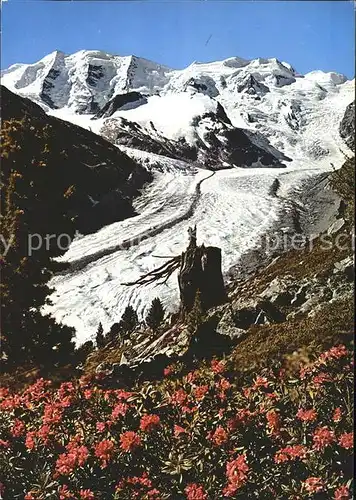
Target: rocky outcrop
column 252, row 87
column 347, row 126
column 48, row 85
column 282, row 80
column 217, row 143
column 204, row 85
column 242, row 150
column 130, row 134
column 284, row 299
column 293, row 115
column 95, row 73
column 129, row 100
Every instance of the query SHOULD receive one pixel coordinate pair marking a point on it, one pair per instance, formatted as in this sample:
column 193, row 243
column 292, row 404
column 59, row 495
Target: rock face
column 105, row 179
column 203, row 84
column 218, row 143
column 123, row 132
column 252, row 86
column 130, row 100
column 215, row 143
column 347, row 126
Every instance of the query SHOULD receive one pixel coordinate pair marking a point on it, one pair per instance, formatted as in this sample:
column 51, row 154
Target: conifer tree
column 155, row 314
column 114, row 332
column 83, row 351
column 29, row 206
column 100, row 338
column 128, row 321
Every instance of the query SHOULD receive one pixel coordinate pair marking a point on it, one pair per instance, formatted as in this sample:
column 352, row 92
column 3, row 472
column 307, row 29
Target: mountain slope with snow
column 83, row 81
column 259, row 113
column 261, row 95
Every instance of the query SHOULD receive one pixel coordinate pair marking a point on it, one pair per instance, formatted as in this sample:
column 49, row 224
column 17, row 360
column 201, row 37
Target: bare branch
column 160, row 274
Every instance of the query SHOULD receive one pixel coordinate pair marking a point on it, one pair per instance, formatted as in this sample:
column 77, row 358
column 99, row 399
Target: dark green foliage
column 121, row 330
column 27, row 208
column 128, row 321
column 114, row 332
column 100, row 338
column 155, row 314
column 42, row 341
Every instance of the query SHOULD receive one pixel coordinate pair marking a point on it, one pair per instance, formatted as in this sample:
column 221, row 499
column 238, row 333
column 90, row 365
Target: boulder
column 280, row 291
column 299, row 297
column 345, row 266
column 336, row 226
column 226, row 326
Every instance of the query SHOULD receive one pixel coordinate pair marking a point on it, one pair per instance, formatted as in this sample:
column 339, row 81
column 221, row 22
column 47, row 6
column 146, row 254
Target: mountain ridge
column 231, row 63
column 262, row 95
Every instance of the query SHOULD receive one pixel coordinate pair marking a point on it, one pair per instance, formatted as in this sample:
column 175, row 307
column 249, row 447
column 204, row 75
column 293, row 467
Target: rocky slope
column 347, row 126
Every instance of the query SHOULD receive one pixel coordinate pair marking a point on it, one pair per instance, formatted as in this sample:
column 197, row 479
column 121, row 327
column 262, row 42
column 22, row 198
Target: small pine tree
column 196, row 315
column 129, row 320
column 99, row 338
column 114, row 332
column 155, row 314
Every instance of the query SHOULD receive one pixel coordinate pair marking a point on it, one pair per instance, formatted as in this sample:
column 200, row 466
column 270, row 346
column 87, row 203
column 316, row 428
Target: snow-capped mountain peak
column 86, row 80
column 83, row 81
column 264, row 96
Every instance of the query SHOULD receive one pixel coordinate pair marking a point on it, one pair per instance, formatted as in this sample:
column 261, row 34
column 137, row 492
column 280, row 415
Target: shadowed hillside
column 102, row 180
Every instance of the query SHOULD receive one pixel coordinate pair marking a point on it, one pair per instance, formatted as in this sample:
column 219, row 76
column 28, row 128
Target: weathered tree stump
column 200, row 269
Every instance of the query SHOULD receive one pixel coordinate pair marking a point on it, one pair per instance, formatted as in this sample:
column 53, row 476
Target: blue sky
column 308, row 35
